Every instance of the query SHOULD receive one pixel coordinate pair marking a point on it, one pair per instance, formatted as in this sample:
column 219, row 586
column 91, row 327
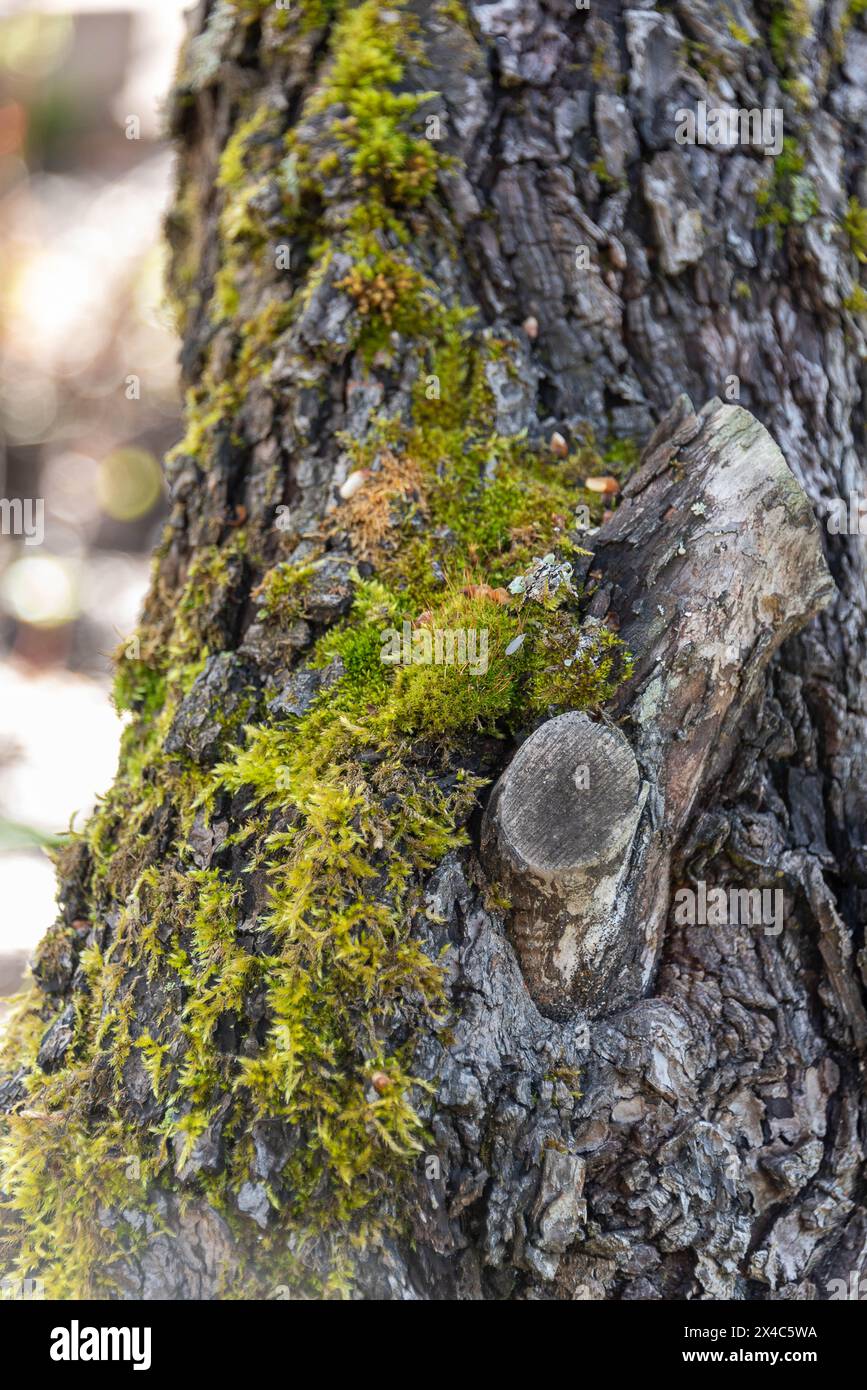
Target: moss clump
column 57, row 1173
column 200, row 619
column 790, row 27
column 386, row 290
column 789, row 196
column 207, row 408
column 602, row 71
column 738, row 32
column 604, row 175
column 453, row 10
column 391, row 497
column 492, row 667
column 371, row 48
column 313, row 14
column 463, row 680
column 579, row 669
column 282, row 592
column 855, row 227
column 138, row 687
column 245, row 165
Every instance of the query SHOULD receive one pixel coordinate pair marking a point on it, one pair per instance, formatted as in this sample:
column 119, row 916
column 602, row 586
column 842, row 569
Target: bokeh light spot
column 129, row 484
column 40, row 590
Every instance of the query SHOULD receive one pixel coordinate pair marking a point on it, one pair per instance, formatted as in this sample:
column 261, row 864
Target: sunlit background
column 88, row 405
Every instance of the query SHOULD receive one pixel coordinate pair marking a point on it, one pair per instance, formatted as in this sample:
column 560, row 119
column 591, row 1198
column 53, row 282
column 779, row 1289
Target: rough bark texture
column 650, row 1110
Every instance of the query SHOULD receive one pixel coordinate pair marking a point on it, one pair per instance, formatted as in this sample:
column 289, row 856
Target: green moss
column 600, row 169
column 601, row 70
column 837, row 46
column 388, row 293
column 344, row 959
column 57, row 1173
column 206, row 409
column 311, row 14
column 453, row 10
column 196, row 627
column 227, row 299
column 578, row 668
column 621, row 457
column 249, row 157
column 476, row 689
column 371, row 49
column 234, row 161
column 213, row 406
column 282, row 591
column 739, row 33
column 790, row 27
column 789, row 195
column 855, row 227
column 517, row 663
column 138, row 687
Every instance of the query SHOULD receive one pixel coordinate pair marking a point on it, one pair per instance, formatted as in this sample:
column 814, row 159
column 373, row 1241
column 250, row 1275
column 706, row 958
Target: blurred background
column 89, row 403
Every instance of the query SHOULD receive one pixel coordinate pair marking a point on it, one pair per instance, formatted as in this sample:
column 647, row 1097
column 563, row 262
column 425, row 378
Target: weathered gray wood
column 712, row 560
column 558, row 833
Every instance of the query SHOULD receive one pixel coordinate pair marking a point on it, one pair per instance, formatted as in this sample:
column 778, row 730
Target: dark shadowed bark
column 363, row 985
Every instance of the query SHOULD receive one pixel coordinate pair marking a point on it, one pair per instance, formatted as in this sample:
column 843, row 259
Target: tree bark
column 540, row 1081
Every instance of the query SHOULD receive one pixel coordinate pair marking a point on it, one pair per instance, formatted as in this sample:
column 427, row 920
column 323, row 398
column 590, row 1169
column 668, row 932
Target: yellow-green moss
column 855, row 227
column 313, row 14
column 790, row 28
column 738, row 32
column 789, row 195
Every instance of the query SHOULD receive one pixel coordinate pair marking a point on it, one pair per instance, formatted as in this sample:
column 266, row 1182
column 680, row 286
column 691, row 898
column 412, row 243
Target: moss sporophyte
column 230, row 1005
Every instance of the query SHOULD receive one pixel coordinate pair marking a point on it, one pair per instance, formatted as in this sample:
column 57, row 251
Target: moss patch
column 789, row 196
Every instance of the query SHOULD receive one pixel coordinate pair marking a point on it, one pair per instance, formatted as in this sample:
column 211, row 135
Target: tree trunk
column 478, row 910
